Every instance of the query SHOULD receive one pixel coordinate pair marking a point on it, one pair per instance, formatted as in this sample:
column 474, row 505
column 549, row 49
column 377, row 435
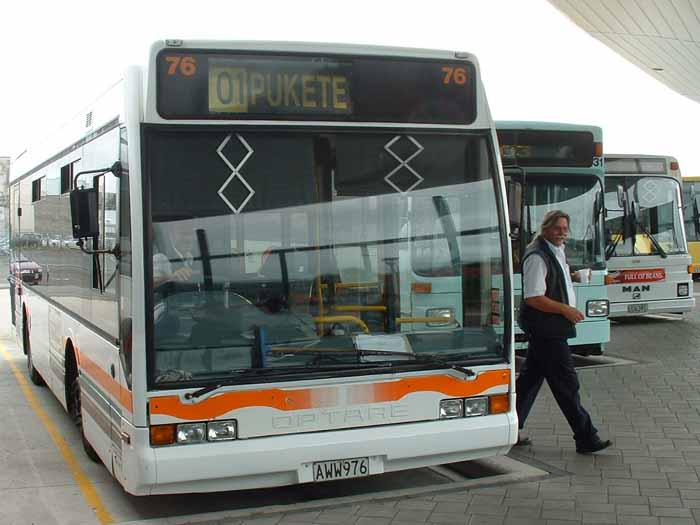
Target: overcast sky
column 536, row 64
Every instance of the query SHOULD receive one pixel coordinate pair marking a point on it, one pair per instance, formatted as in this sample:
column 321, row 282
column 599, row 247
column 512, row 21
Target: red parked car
column 30, row 272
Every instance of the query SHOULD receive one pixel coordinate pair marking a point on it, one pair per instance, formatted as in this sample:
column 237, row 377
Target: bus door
column 520, row 227
column 14, row 275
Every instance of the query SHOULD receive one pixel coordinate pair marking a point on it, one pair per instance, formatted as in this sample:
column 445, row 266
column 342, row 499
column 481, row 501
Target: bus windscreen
column 208, row 85
column 546, row 148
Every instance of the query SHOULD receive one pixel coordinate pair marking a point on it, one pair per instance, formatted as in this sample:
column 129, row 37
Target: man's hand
column 545, row 304
column 181, row 274
column 572, row 314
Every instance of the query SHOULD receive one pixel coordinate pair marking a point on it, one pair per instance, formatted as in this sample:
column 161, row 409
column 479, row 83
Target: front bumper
column 287, row 460
column 673, row 306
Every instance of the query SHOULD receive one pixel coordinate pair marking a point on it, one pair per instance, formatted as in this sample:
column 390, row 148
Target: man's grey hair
column 550, row 219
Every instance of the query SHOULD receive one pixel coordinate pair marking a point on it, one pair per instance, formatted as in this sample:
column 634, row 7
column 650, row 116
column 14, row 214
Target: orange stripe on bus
column 325, row 397
column 221, row 404
column 448, row 385
column 112, row 386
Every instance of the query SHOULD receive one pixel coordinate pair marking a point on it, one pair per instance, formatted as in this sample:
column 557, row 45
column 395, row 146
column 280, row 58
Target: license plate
column 341, row 469
column 637, row 308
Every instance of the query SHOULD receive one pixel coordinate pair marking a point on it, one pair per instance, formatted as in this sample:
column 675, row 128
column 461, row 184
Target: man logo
column 636, row 289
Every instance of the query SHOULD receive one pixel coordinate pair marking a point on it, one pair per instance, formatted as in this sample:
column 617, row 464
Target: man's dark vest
column 539, row 324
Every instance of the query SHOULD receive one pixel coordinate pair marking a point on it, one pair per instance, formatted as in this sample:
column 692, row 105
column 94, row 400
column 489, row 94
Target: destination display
column 548, row 148
column 217, row 85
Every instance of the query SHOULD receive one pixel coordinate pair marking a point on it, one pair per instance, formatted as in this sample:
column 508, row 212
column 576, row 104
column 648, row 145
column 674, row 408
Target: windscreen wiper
column 611, row 248
column 277, row 372
column 653, row 240
column 428, row 359
column 646, row 232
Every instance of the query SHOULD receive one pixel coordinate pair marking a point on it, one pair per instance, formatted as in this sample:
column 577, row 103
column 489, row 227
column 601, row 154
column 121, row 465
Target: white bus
column 649, row 268
column 254, row 299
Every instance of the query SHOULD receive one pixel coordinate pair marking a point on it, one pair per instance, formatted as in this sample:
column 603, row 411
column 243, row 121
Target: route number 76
column 187, row 65
column 454, row 75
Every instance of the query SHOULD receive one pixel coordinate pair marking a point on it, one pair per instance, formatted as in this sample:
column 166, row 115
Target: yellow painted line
column 86, row 487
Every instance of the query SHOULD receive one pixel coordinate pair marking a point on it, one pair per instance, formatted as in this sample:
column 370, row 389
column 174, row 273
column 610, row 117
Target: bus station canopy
column 662, row 37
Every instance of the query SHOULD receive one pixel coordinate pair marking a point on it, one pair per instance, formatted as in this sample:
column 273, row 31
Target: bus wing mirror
column 83, row 211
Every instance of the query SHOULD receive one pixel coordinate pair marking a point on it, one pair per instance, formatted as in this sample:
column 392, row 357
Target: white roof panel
column 662, row 37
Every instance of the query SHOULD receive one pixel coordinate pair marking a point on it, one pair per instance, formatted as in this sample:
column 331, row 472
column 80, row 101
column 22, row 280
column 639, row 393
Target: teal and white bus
column 551, row 166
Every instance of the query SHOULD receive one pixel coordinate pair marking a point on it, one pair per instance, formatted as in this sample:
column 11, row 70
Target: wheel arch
column 71, row 369
column 25, row 328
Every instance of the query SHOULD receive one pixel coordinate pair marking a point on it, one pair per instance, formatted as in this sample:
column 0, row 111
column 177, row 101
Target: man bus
column 649, row 268
column 249, row 302
column 554, row 166
column 691, row 216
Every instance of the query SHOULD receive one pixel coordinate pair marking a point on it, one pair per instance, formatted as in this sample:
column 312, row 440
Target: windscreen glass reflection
column 288, row 252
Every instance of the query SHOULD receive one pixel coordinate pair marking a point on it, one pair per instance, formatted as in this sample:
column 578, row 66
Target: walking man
column 549, row 316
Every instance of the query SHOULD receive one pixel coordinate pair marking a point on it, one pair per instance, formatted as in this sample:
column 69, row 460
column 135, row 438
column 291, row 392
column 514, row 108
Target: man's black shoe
column 523, row 441
column 592, row 446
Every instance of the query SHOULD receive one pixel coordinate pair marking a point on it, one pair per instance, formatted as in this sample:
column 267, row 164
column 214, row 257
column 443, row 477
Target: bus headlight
column 683, row 290
column 188, row 433
column 221, row 430
column 438, row 314
column 450, row 408
column 597, row 308
column 476, row 406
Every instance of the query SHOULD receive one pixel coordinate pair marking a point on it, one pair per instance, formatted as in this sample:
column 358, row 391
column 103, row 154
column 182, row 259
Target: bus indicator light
column 162, row 435
column 674, row 166
column 598, row 149
column 422, row 287
column 499, row 404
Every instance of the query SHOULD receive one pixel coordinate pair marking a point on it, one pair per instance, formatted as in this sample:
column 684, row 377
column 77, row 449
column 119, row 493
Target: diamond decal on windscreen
column 403, row 163
column 648, row 193
column 235, row 174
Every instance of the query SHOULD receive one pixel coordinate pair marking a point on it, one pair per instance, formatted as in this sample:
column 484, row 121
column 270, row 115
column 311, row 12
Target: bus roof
column 638, row 156
column 308, row 47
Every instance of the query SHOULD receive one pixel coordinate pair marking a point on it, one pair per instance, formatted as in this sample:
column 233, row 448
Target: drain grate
column 589, row 361
column 598, row 361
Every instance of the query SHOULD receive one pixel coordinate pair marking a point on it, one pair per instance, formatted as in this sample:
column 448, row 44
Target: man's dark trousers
column 551, row 359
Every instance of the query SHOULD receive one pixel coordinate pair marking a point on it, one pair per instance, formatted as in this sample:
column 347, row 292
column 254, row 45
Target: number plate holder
column 640, row 308
column 340, row 469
